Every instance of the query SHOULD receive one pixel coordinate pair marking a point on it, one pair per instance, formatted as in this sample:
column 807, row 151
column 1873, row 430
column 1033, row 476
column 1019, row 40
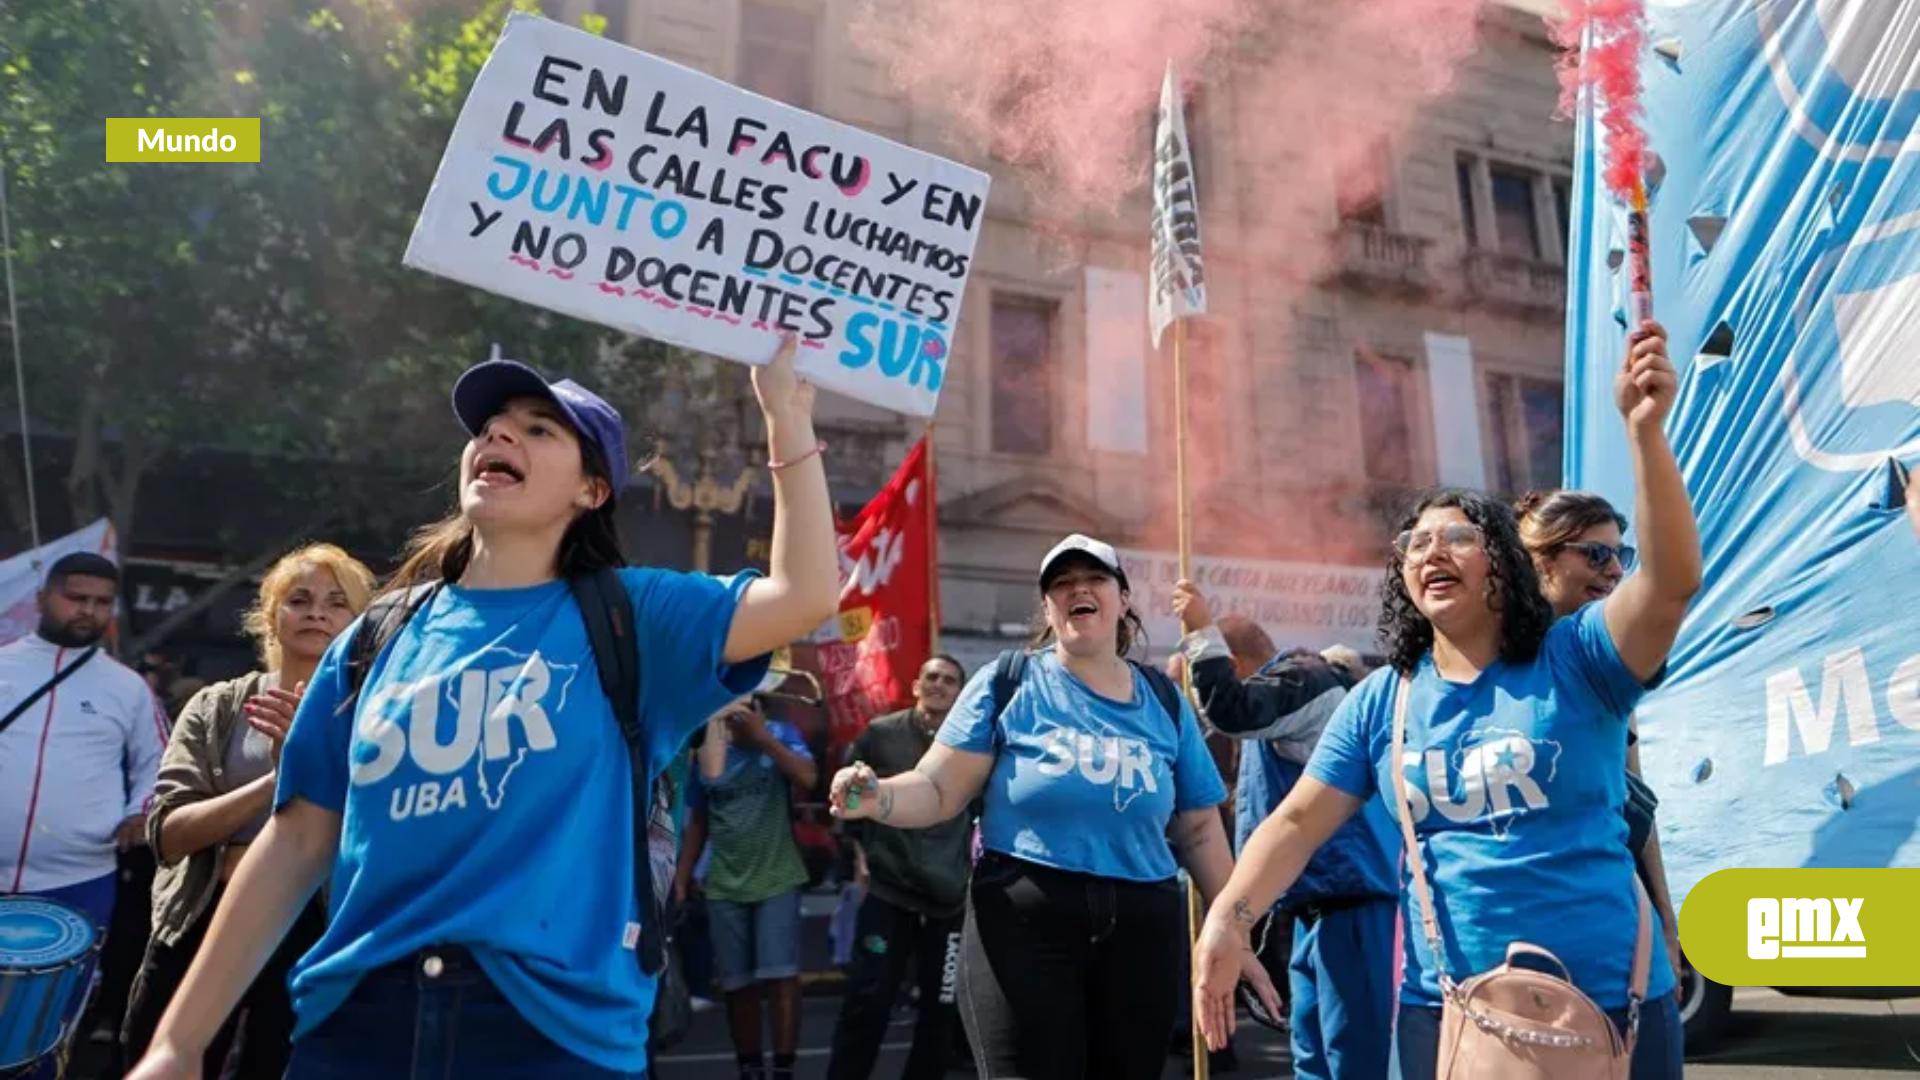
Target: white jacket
column 75, row 765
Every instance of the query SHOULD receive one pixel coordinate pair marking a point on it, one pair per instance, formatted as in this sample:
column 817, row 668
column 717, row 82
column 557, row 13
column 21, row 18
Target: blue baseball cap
column 485, row 388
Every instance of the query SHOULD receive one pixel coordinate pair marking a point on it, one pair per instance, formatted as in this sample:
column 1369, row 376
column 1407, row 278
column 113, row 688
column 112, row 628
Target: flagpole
column 933, row 545
column 1184, row 509
column 19, row 368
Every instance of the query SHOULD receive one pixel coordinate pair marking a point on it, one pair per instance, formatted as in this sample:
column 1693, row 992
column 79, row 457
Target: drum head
column 38, row 934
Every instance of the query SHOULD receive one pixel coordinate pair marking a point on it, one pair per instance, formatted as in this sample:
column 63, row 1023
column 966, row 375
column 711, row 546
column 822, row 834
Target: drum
column 48, row 951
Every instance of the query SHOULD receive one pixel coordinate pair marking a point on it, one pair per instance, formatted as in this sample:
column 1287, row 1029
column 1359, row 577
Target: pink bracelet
column 775, row 466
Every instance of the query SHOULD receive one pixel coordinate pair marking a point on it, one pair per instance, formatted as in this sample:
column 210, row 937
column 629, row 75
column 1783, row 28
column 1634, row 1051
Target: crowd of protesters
column 451, row 824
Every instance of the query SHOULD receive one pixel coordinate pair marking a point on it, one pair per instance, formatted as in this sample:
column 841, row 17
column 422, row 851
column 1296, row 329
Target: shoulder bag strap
column 1642, row 963
column 46, row 688
column 1416, row 863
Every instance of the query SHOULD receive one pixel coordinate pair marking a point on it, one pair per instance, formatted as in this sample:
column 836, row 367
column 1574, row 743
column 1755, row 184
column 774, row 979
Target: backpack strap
column 384, row 618
column 1009, row 671
column 1163, row 689
column 607, row 612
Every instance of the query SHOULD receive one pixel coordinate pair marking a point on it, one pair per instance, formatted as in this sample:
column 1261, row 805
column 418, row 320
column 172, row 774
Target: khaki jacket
column 194, row 768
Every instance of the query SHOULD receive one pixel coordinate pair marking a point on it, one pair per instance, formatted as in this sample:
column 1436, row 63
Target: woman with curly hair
column 1514, row 760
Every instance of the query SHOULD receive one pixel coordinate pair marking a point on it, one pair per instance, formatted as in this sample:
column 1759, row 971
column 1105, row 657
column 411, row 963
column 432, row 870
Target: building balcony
column 1516, row 284
column 1375, row 257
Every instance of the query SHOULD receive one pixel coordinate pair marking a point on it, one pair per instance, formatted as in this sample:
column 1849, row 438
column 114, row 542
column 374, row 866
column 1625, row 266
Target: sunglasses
column 1458, row 539
column 1599, row 555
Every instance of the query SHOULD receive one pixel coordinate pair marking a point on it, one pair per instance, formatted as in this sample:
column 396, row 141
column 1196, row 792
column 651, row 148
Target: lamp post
column 706, row 497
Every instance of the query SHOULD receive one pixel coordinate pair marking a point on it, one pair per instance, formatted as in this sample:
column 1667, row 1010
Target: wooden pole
column 933, row 545
column 1184, row 509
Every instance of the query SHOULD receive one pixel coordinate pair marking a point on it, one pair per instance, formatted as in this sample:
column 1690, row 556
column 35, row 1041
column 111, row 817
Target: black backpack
column 608, row 615
column 1010, row 669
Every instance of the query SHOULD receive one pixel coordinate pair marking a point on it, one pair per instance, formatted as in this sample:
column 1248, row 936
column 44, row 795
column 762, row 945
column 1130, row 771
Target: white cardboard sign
column 599, row 181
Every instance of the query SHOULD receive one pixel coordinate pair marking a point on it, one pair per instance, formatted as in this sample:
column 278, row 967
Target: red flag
column 885, row 629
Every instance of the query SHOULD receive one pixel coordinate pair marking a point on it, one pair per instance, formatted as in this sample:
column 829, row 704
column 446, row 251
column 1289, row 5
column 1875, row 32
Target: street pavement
column 1771, row 1037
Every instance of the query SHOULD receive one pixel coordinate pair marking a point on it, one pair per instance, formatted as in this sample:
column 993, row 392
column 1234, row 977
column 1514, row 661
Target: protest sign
column 1308, row 605
column 598, row 181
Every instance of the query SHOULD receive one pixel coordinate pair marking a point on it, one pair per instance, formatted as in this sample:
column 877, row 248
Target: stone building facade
column 1426, row 349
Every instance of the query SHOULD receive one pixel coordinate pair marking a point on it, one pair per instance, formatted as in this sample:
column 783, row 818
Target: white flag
column 1177, row 284
column 22, row 575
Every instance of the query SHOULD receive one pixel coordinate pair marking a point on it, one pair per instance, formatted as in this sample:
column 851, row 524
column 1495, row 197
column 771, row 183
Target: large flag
column 22, row 575
column 885, row 629
column 1786, row 243
column 1177, row 281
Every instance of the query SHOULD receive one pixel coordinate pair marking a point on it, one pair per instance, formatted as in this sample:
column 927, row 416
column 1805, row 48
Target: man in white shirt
column 79, row 760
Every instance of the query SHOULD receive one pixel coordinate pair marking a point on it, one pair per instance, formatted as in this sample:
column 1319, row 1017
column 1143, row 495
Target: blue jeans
column 1657, row 1056
column 401, row 1021
column 1342, row 982
column 94, row 897
column 755, row 942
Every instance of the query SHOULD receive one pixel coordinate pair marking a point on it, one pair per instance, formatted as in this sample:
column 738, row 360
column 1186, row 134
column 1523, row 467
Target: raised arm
column 935, row 790
column 1643, row 615
column 275, row 880
column 802, row 587
column 1272, row 861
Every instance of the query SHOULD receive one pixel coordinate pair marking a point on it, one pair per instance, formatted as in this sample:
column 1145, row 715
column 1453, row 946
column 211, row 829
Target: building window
column 615, row 12
column 1520, row 200
column 1386, row 427
column 1362, row 190
column 1023, row 374
column 1463, row 170
column 1516, row 223
column 1563, row 210
column 1524, row 416
column 776, row 51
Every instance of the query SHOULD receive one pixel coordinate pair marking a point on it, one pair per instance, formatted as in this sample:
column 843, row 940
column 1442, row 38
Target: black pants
column 1066, row 976
column 886, row 938
column 263, row 1020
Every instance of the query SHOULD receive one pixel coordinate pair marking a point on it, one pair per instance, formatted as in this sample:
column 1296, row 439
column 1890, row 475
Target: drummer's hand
column 132, row 833
column 165, row 1062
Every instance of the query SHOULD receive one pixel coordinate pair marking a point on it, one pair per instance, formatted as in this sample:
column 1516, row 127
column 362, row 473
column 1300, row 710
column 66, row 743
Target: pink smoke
column 1068, row 88
column 1613, row 33
column 1291, row 104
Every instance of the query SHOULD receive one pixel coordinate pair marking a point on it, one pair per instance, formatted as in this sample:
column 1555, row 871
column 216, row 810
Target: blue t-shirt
column 485, row 797
column 1081, row 782
column 1516, row 782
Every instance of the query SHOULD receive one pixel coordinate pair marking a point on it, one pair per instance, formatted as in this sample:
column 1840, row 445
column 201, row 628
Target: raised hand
column 783, row 394
column 1646, row 385
column 855, row 793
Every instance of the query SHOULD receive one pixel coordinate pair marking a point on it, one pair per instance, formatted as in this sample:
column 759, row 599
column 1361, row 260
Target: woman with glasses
column 1513, row 770
column 1575, row 540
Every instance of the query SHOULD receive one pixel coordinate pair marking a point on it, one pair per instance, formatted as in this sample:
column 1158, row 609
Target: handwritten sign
column 1178, row 285
column 1309, row 605
column 596, row 180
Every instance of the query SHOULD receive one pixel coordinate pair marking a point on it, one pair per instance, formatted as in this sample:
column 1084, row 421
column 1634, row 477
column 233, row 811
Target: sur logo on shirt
column 501, row 715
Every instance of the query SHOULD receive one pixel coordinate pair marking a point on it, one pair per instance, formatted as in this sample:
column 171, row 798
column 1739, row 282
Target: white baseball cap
column 1097, row 550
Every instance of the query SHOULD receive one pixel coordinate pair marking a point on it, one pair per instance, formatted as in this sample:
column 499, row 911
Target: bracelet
column 775, row 466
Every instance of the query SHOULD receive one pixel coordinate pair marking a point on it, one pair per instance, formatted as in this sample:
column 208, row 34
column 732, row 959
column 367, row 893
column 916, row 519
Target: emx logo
column 1819, row 928
column 1804, row 927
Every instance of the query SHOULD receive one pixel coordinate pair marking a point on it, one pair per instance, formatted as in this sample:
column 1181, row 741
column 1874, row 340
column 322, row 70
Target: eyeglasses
column 1599, row 555
column 1459, row 539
